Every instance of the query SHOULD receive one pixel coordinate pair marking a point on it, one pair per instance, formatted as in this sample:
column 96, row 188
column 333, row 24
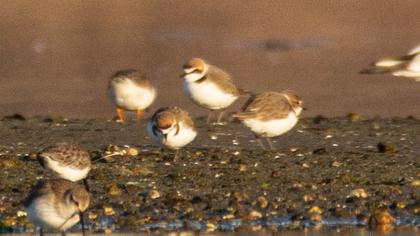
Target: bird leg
column 176, row 155
column 209, row 117
column 219, row 119
column 82, row 222
column 270, row 144
column 63, row 233
column 120, row 114
column 41, row 232
column 139, row 113
column 260, row 142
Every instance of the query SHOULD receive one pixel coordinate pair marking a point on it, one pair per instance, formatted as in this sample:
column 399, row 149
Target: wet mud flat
column 327, row 172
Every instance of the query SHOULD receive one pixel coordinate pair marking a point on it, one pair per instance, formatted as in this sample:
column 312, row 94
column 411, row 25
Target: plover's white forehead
column 189, row 70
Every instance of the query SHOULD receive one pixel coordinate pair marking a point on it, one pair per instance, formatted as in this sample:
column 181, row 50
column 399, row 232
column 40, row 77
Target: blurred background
column 57, row 56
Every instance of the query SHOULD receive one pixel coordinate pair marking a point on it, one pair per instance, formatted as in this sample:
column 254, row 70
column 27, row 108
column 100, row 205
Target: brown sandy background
column 56, row 56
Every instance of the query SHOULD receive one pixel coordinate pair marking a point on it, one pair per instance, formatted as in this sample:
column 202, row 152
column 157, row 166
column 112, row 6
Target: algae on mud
column 325, row 172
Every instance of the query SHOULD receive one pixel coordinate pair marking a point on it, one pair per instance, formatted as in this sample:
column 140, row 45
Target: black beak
column 82, row 222
column 183, row 75
column 304, row 108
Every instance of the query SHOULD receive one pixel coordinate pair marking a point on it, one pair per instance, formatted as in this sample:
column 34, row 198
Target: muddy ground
column 325, row 171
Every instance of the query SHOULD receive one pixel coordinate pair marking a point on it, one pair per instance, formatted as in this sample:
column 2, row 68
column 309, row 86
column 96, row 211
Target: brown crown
column 196, row 63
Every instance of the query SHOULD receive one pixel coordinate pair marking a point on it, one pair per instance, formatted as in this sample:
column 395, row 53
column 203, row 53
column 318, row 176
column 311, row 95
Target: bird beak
column 82, row 222
column 304, row 108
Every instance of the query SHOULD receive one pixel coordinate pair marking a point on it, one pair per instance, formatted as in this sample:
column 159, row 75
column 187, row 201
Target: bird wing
column 67, row 155
column 222, row 79
column 265, row 106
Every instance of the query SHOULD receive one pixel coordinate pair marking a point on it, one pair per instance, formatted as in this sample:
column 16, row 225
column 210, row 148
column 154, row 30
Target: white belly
column 44, row 214
column 407, row 73
column 271, row 128
column 184, row 137
column 208, row 95
column 131, row 97
column 66, row 172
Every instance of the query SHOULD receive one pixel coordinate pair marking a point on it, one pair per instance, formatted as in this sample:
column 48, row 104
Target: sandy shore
column 339, row 170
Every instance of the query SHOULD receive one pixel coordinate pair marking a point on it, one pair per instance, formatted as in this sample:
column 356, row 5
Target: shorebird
column 407, row 66
column 209, row 86
column 171, row 127
column 67, row 161
column 129, row 90
column 271, row 114
column 57, row 204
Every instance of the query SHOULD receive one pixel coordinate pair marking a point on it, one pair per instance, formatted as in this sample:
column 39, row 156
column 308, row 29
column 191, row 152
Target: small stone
column 354, row 117
column 305, row 165
column 114, row 190
column 242, row 167
column 315, row 210
column 293, row 149
column 307, row 198
column 92, row 216
column 154, row 194
column 253, row 215
column 336, row 164
column 108, row 230
column 385, row 148
column 415, row 183
column 8, row 164
column 381, row 218
column 228, row 217
column 262, row 202
column 358, row 193
column 108, row 211
column 21, row 213
column 132, row 151
column 141, row 170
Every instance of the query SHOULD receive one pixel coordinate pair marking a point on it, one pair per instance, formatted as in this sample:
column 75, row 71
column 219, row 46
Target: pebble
column 358, row 193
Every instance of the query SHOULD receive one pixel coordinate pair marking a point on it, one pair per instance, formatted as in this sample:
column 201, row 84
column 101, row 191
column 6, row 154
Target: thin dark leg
column 209, row 117
column 82, row 223
column 86, row 184
column 41, row 232
column 270, row 144
column 260, row 143
column 176, row 155
column 63, row 233
column 219, row 119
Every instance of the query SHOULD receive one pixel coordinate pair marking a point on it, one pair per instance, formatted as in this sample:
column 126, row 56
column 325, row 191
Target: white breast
column 43, row 213
column 67, row 172
column 174, row 141
column 271, row 128
column 208, row 95
column 130, row 96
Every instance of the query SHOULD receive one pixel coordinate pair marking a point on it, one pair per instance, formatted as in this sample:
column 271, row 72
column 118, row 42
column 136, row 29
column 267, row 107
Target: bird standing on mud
column 271, row 114
column 129, row 90
column 67, row 161
column 407, row 66
column 209, row 86
column 171, row 127
column 57, row 205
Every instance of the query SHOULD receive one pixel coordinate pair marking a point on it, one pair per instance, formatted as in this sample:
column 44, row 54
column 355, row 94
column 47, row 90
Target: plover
column 209, row 86
column 129, row 90
column 66, row 160
column 404, row 66
column 271, row 114
column 57, row 204
column 171, row 127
